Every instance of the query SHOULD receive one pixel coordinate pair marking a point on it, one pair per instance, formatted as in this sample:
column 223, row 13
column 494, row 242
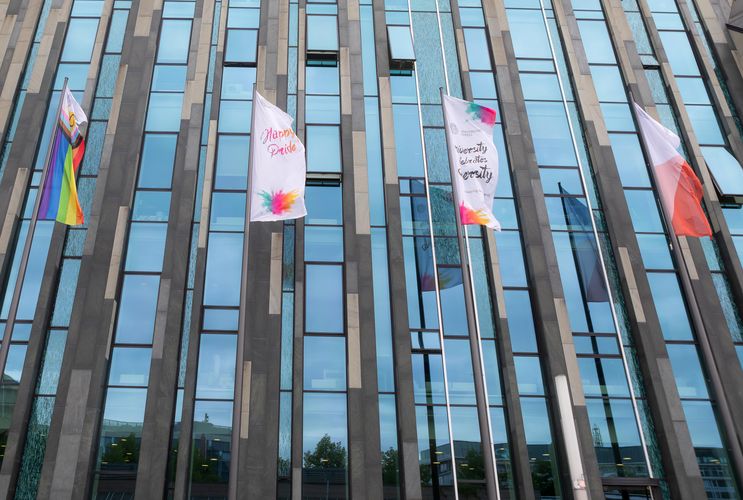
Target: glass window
column 324, row 205
column 323, row 144
column 212, row 433
column 177, row 32
column 14, row 363
column 706, row 126
column 408, row 141
column 324, row 299
column 478, row 56
column 459, row 372
column 603, row 377
column 146, row 247
column 451, row 292
column 608, row 83
column 169, row 78
column 234, row 116
column 539, row 445
column 428, row 379
column 551, row 133
column 78, row 45
column 655, row 251
column 687, row 370
column 242, row 46
column 511, row 259
column 232, row 162
column 217, row 354
column 401, row 43
column 137, row 309
column 223, row 269
column 164, row 112
column 598, row 45
column 630, row 161
column 643, row 211
column 529, row 375
column 158, row 156
column 153, row 206
column 323, row 244
column 669, row 304
column 681, row 58
column 34, row 271
column 725, row 170
column 130, row 366
column 237, row 82
column 540, row 86
column 324, row 363
column 322, row 33
column 323, row 109
column 616, row 437
column 325, row 442
column 529, row 34
column 121, row 430
column 227, row 212
column 322, row 80
column 520, row 321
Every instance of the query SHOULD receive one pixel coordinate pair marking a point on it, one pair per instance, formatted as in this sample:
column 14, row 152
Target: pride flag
column 59, row 199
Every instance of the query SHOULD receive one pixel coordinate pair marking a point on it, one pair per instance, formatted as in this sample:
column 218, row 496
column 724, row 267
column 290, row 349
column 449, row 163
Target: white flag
column 279, row 166
column 474, row 159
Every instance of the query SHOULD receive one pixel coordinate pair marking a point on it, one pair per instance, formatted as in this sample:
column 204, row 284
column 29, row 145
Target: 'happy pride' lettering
column 271, row 137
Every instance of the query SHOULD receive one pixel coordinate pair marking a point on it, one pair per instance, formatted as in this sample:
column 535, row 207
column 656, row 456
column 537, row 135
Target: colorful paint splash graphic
column 485, row 115
column 469, row 216
column 279, row 202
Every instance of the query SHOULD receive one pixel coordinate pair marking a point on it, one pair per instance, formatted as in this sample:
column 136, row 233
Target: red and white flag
column 680, row 189
column 279, row 167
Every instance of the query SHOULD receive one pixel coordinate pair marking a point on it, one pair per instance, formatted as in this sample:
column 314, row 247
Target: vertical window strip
column 126, row 391
column 77, row 51
column 15, row 113
column 380, row 269
column 65, row 291
column 211, row 437
column 650, row 229
column 284, row 466
column 446, row 405
column 193, row 247
column 325, row 457
column 603, row 343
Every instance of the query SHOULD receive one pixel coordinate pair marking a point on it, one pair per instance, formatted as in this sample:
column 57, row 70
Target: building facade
column 167, row 348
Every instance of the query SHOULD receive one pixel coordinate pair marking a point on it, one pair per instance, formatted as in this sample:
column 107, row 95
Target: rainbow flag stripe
column 59, row 200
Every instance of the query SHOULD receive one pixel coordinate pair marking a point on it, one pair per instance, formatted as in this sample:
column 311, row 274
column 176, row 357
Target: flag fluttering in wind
column 473, row 158
column 679, row 188
column 585, row 250
column 59, row 199
column 278, row 164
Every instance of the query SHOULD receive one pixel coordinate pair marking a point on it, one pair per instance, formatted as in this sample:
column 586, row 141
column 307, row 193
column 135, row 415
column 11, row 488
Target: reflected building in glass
column 167, row 348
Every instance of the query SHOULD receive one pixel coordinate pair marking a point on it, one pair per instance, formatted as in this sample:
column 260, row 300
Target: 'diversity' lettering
column 269, row 135
column 474, row 156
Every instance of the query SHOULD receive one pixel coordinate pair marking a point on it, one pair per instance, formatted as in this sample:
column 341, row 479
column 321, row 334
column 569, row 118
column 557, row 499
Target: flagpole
column 237, row 408
column 696, row 315
column 22, row 267
column 478, row 364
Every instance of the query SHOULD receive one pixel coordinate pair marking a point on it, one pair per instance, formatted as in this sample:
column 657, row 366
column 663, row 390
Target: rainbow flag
column 59, row 199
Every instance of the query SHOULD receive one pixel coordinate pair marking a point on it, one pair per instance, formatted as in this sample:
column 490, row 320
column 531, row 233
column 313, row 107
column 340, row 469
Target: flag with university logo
column 474, row 159
column 278, row 164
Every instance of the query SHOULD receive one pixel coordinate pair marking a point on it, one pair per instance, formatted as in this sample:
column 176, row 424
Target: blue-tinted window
column 158, row 155
column 669, row 304
column 227, row 212
column 687, row 370
column 78, row 46
column 322, row 33
column 164, row 112
column 130, row 366
column 217, row 354
column 725, row 170
column 401, row 43
column 146, row 247
column 324, row 299
column 323, row 244
column 323, row 145
column 232, row 162
column 223, row 265
column 324, row 363
column 242, row 46
column 178, row 35
column 323, row 205
column 136, row 320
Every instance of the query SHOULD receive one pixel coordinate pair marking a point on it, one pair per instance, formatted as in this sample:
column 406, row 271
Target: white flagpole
column 15, row 301
column 478, row 363
column 237, row 409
